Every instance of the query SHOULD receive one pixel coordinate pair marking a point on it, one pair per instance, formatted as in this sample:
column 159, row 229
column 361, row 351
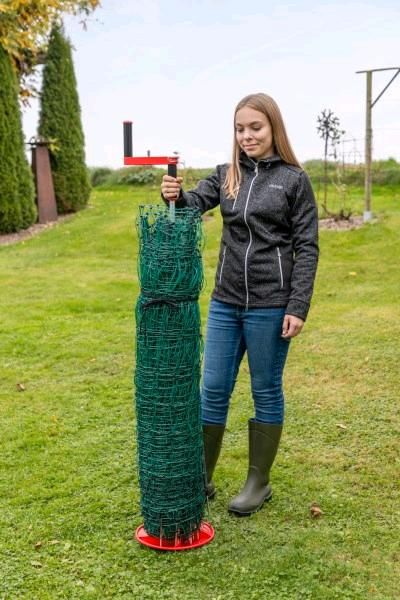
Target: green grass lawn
column 68, row 487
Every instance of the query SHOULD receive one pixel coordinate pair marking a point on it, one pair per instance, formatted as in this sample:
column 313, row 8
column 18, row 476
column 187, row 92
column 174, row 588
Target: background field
column 68, row 488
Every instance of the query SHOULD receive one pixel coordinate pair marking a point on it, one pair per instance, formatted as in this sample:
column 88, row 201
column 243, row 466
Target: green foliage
column 192, row 176
column 384, row 172
column 60, row 119
column 17, row 207
column 138, row 178
column 99, row 175
column 10, row 209
column 106, row 177
column 26, row 187
column 25, row 26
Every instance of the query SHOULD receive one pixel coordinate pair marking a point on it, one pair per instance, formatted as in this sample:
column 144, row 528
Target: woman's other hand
column 171, row 187
column 291, row 326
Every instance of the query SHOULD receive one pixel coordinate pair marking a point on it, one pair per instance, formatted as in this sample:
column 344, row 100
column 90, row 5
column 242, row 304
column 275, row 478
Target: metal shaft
column 173, row 172
column 368, row 148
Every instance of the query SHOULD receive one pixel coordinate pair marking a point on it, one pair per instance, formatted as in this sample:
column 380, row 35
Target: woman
column 263, row 284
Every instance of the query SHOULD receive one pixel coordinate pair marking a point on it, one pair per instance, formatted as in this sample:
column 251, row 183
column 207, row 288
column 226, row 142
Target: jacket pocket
column 278, row 251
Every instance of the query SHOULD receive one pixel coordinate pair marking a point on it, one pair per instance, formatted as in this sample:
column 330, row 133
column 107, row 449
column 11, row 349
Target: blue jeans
column 231, row 331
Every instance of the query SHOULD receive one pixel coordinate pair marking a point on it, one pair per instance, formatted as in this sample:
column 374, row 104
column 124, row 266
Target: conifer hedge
column 60, row 122
column 17, row 192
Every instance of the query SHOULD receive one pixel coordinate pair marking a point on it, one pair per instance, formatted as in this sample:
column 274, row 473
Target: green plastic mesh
column 167, row 375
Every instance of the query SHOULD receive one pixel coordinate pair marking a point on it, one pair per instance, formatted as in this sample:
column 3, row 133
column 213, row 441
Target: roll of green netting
column 167, row 375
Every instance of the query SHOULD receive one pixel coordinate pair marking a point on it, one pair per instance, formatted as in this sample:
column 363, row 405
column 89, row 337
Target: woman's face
column 253, row 133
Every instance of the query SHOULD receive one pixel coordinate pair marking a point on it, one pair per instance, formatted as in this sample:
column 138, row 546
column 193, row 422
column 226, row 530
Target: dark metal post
column 127, row 138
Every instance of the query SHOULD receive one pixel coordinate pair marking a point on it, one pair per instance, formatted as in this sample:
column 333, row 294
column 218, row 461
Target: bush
column 17, row 196
column 106, row 177
column 384, row 172
column 138, row 178
column 60, row 120
column 99, row 175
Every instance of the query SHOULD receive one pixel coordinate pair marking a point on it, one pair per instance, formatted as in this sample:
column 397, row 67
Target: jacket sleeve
column 304, row 220
column 205, row 196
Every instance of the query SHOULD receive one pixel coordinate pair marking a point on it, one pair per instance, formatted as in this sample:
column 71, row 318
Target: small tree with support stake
column 328, row 129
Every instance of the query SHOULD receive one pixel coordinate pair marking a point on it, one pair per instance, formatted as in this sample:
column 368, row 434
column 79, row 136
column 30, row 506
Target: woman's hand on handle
column 291, row 326
column 171, row 187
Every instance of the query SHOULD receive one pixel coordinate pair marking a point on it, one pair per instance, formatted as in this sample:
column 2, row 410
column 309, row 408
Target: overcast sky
column 177, row 68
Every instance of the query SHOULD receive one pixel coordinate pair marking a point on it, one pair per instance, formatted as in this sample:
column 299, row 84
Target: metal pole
column 172, row 171
column 368, row 149
column 127, row 138
column 368, row 134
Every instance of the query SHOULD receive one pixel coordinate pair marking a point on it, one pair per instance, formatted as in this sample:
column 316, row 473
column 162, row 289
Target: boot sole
column 239, row 513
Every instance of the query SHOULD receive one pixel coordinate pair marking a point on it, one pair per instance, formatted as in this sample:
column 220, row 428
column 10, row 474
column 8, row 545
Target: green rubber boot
column 263, row 445
column 212, row 439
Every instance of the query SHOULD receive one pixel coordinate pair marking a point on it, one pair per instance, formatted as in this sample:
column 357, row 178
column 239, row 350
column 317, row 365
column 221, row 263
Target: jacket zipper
column 234, row 203
column 222, row 266
column 251, row 237
column 280, row 264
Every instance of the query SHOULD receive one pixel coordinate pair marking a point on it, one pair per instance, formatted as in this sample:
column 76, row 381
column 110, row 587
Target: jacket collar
column 249, row 162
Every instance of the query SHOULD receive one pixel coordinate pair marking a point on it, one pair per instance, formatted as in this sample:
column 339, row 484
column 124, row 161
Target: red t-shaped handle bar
column 130, row 160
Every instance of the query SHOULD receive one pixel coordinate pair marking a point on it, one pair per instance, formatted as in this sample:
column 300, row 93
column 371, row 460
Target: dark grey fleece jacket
column 269, row 246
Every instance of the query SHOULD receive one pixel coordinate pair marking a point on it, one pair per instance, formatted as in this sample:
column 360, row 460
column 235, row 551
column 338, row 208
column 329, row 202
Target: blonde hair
column 266, row 105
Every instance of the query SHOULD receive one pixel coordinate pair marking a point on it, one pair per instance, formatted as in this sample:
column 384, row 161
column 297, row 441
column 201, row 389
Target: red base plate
column 202, row 536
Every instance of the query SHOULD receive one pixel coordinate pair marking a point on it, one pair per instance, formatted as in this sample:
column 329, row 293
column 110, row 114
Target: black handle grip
column 172, row 170
column 128, row 138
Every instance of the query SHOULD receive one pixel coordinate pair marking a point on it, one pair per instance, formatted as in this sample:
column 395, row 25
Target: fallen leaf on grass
column 36, row 564
column 341, row 426
column 20, row 387
column 315, row 510
column 38, row 545
column 352, row 273
column 52, row 542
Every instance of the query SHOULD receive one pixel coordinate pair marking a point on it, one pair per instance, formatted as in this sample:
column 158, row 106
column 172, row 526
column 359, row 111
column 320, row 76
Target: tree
column 17, row 205
column 328, row 129
column 24, row 29
column 60, row 121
